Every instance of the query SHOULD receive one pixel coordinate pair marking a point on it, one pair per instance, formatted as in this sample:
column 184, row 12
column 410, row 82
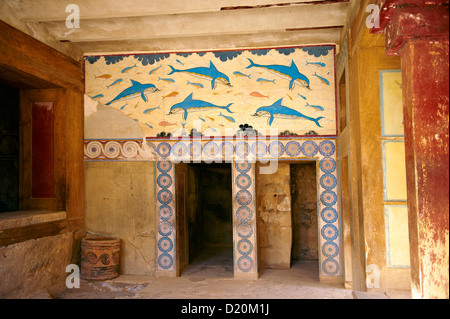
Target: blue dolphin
column 279, row 111
column 134, row 90
column 287, row 72
column 210, row 73
column 197, row 105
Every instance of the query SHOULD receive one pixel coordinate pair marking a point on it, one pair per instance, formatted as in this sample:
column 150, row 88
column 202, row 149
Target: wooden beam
column 21, row 52
column 37, row 31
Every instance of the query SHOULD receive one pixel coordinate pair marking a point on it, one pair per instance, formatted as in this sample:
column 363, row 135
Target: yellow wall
column 120, row 202
column 379, row 238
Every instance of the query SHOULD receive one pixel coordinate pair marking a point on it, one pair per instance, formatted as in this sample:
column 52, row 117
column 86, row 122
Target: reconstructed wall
column 120, row 202
column 375, row 232
column 134, row 101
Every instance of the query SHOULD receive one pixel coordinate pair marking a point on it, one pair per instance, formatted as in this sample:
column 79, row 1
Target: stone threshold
column 16, row 219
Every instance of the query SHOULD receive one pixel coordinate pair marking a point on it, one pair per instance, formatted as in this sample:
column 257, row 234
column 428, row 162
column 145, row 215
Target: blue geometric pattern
column 310, row 148
column 242, row 149
column 328, row 198
column 164, row 197
column 328, row 181
column 293, row 148
column 328, row 165
column 163, row 149
column 244, row 214
column 326, row 148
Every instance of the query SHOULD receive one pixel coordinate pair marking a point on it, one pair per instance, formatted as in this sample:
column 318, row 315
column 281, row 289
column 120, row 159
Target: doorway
column 305, row 231
column 9, row 149
column 209, row 220
column 287, row 207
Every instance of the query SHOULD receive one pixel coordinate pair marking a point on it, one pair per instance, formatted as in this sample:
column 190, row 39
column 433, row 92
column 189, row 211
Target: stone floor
column 211, row 277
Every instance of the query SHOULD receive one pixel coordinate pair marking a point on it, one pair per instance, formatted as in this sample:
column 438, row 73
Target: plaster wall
column 371, row 269
column 120, row 202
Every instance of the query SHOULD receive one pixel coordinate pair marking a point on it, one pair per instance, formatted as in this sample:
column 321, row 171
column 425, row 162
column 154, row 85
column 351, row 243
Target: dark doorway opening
column 305, row 232
column 209, row 219
column 9, row 149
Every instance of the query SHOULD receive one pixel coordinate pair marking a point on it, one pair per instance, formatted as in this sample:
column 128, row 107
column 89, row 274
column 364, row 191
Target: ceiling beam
column 274, row 19
column 55, row 10
column 206, row 43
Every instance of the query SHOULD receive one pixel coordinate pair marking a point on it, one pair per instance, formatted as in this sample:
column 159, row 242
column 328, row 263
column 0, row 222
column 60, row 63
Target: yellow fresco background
column 395, row 170
column 392, row 104
column 397, row 219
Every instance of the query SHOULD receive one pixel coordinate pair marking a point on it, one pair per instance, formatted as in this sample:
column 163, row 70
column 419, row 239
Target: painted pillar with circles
column 244, row 220
column 329, row 222
column 165, row 201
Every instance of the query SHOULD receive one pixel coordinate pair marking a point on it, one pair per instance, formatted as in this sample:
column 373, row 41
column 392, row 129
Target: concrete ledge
column 25, row 218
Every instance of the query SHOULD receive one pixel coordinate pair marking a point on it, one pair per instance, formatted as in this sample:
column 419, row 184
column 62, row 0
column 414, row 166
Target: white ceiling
column 119, row 26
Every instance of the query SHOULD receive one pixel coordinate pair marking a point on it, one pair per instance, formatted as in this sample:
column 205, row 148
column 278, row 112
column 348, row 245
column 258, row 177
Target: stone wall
column 273, row 205
column 304, row 211
column 35, row 267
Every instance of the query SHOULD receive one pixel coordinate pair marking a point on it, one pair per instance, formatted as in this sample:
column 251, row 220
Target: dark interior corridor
column 210, row 225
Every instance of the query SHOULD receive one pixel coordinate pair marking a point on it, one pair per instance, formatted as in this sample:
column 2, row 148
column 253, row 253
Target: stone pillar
column 418, row 32
column 244, row 220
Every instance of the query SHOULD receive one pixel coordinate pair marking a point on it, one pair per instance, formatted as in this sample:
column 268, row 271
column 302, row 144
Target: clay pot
column 100, row 258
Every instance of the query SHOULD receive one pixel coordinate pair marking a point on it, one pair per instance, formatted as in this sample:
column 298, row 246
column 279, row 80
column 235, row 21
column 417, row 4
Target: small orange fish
column 289, row 97
column 211, row 118
column 165, row 123
column 257, row 94
column 175, row 93
column 103, row 76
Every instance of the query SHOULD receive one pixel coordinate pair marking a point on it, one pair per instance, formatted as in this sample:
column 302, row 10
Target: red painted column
column 426, row 99
column 418, row 31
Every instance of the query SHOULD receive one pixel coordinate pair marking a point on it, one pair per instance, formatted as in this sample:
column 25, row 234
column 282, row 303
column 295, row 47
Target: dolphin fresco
column 197, row 105
column 316, row 63
column 287, row 72
column 134, row 90
column 279, row 111
column 321, row 78
column 210, row 73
